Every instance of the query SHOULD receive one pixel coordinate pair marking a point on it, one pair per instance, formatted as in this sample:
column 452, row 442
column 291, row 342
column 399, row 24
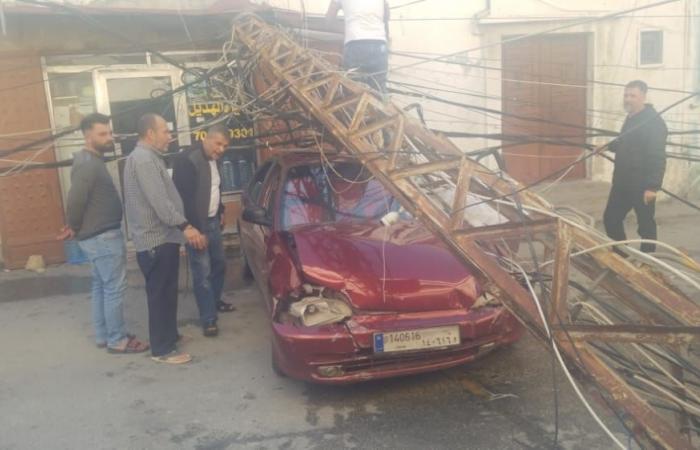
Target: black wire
column 500, row 69
column 599, row 131
column 66, row 132
column 56, row 76
column 92, row 21
column 579, row 160
column 69, row 162
column 540, row 282
column 420, row 91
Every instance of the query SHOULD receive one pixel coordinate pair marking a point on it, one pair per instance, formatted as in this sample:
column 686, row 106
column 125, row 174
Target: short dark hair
column 639, row 84
column 219, row 129
column 145, row 123
column 91, row 119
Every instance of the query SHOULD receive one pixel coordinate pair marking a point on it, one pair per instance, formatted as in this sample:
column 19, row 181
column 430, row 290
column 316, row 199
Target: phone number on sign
column 234, row 133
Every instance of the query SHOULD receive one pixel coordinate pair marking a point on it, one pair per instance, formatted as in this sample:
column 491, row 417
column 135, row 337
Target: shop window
column 651, row 47
column 205, row 106
column 72, row 98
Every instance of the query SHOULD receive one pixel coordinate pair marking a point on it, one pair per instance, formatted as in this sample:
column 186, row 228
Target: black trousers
column 620, row 202
column 160, row 267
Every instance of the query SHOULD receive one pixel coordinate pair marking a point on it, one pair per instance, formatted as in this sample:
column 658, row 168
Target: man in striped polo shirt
column 157, row 224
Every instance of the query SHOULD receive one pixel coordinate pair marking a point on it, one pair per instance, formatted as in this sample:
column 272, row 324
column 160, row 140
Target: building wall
column 31, row 212
column 445, row 27
column 31, row 207
column 614, row 47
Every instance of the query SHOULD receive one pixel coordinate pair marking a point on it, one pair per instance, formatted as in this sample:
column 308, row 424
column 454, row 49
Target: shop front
column 135, row 84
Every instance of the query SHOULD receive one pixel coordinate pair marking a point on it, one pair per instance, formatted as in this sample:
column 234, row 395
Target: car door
column 249, row 232
column 261, row 234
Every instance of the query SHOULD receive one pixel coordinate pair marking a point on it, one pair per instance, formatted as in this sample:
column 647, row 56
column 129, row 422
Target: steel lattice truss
column 619, row 325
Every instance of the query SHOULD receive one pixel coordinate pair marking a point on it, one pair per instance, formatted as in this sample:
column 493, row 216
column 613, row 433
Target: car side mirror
column 257, row 215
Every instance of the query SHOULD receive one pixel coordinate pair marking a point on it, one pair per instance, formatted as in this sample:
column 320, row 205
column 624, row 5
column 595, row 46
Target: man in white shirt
column 196, row 177
column 366, row 36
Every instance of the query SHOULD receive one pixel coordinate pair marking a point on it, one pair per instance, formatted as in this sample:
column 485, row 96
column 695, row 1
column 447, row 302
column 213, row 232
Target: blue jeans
column 208, row 270
column 107, row 255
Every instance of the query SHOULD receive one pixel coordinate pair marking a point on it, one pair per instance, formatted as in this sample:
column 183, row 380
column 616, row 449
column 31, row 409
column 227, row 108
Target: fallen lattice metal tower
column 620, row 326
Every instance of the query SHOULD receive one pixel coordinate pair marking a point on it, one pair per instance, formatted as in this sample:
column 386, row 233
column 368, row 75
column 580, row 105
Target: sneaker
column 173, row 357
column 211, row 329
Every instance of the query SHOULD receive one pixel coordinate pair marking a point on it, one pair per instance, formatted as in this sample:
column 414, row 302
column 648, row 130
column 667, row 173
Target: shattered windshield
column 343, row 191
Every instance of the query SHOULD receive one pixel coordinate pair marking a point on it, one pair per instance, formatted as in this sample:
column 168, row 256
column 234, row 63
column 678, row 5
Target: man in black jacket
column 640, row 163
column 197, row 179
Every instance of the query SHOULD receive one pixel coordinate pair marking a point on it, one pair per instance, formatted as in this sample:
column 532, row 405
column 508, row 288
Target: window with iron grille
column 651, row 47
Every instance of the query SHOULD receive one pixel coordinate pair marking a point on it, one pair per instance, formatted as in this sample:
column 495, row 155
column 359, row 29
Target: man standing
column 156, row 220
column 640, row 163
column 94, row 213
column 196, row 177
column 366, row 35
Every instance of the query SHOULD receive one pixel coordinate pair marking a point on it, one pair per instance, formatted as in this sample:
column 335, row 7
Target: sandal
column 104, row 344
column 173, row 357
column 133, row 345
column 224, row 307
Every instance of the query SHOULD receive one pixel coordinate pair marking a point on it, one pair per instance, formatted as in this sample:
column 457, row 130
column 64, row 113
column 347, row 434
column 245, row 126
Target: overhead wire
column 534, row 34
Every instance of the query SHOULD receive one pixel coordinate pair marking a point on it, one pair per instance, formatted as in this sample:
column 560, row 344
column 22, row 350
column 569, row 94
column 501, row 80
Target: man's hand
column 66, row 233
column 649, row 197
column 194, row 238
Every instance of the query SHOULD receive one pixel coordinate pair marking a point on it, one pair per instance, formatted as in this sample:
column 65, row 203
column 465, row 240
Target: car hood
column 420, row 273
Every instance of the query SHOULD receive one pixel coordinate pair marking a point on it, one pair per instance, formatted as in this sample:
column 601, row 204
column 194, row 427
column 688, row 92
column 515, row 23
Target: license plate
column 426, row 338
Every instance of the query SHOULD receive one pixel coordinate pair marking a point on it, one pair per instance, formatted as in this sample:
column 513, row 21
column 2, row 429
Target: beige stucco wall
column 439, row 27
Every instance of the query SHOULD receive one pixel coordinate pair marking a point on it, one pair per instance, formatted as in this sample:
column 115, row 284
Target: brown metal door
column 544, row 78
column 31, row 209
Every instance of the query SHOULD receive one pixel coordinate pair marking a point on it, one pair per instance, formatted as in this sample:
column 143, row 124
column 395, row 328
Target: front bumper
column 343, row 353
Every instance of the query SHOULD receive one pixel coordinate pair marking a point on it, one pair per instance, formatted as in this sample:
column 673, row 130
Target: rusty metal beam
column 654, row 426
column 507, row 230
column 422, row 169
column 363, row 114
column 464, row 179
column 558, row 310
column 640, row 334
column 670, row 300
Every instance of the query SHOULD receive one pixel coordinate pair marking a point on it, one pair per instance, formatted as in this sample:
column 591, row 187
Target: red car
column 355, row 288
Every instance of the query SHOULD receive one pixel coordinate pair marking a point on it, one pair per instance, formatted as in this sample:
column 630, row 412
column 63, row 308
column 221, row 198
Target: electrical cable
column 513, row 80
column 600, row 132
column 565, row 369
column 583, row 157
column 534, row 34
column 66, row 132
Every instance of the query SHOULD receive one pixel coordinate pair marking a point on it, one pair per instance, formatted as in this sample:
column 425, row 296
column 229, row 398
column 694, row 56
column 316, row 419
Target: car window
column 256, row 184
column 343, row 192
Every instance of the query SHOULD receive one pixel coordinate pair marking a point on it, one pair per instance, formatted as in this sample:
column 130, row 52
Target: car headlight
column 315, row 311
